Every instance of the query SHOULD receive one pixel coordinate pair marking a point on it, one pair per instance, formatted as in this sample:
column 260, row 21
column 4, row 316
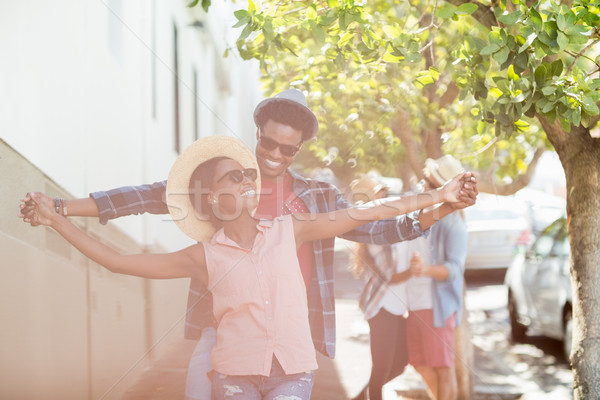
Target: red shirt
column 279, row 199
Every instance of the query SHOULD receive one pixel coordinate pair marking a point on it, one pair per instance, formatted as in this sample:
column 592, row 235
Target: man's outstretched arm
column 111, row 204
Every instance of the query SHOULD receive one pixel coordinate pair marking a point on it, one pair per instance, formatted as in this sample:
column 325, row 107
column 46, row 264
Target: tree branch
column 486, row 183
column 581, row 53
column 401, row 129
column 484, row 15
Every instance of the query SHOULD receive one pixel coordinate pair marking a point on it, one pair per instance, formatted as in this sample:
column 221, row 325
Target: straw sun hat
column 197, row 226
column 365, row 188
column 443, row 169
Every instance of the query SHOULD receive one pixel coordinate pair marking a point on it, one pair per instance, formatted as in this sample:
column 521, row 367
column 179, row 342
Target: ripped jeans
column 277, row 386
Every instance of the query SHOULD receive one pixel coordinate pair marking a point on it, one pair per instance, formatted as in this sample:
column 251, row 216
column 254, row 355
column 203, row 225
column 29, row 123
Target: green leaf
column 329, row 18
column 246, row 32
column 561, row 22
column 545, row 38
column 240, row 14
column 344, row 40
column 491, row 49
column 557, row 68
column 467, row 8
column 528, row 42
column 512, row 75
column 424, row 80
column 445, row 11
column 589, row 106
column 521, row 62
column 562, row 40
column 549, row 90
column 268, row 30
column 511, row 18
column 585, row 120
column 540, row 75
column 536, row 19
column 318, row 31
column 193, row 3
column 576, row 118
column 502, row 83
column 502, row 55
column 389, row 57
column 520, row 98
column 392, row 31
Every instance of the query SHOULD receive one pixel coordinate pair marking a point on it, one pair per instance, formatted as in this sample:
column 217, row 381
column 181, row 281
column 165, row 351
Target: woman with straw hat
column 264, row 347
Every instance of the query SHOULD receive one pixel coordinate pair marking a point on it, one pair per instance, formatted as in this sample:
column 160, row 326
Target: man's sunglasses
column 270, row 144
column 237, row 175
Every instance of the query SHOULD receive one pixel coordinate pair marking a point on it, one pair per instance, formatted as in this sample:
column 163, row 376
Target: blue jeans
column 197, row 385
column 277, row 386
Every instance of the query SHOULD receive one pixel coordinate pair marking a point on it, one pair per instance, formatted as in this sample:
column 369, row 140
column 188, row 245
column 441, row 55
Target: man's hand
column 469, row 192
column 416, row 265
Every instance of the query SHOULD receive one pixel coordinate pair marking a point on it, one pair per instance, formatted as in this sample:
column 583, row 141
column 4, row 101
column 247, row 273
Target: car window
column 561, row 248
column 543, row 245
column 561, row 240
column 553, row 240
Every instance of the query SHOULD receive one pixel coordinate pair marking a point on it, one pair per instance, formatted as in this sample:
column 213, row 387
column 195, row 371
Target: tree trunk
column 580, row 157
column 464, row 359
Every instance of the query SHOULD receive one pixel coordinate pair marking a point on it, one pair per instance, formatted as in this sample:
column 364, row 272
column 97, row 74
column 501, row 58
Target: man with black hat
column 284, row 122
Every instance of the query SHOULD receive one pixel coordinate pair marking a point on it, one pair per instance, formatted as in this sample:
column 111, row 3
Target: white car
column 539, row 288
column 497, row 226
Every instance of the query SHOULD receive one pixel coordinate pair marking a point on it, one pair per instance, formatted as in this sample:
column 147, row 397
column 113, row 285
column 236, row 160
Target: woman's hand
column 416, row 265
column 452, row 190
column 37, row 209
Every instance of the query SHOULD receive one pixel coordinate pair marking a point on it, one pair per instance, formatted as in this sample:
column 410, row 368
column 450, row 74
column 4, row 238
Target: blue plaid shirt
column 319, row 197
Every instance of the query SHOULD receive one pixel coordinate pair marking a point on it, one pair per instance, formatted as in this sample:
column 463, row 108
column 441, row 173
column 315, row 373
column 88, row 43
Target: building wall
column 88, row 104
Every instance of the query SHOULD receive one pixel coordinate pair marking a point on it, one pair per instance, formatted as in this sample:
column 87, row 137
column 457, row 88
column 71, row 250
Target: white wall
column 77, row 83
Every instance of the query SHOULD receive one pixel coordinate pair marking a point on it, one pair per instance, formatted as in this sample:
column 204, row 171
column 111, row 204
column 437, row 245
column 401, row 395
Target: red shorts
column 428, row 345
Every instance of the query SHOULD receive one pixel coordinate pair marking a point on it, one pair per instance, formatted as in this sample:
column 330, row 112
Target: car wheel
column 517, row 330
column 568, row 334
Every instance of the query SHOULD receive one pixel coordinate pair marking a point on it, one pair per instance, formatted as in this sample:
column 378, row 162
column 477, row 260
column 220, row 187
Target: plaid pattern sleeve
column 130, row 200
column 322, row 197
column 387, row 231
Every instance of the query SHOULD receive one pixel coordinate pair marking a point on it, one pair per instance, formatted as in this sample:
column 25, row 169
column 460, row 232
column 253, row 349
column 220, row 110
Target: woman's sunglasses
column 237, row 175
column 270, row 144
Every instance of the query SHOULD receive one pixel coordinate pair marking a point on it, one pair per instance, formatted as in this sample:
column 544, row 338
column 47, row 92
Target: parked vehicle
column 539, row 287
column 497, row 226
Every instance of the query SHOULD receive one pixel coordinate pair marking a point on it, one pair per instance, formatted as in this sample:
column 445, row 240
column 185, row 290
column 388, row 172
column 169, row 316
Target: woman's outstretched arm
column 184, row 263
column 308, row 227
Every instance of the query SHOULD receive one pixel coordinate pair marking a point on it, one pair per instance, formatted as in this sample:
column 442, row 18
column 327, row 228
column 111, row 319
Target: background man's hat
column 296, row 98
column 197, row 226
column 365, row 188
column 443, row 169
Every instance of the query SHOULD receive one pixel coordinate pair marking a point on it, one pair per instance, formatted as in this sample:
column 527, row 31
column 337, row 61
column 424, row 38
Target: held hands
column 461, row 191
column 416, row 268
column 37, row 209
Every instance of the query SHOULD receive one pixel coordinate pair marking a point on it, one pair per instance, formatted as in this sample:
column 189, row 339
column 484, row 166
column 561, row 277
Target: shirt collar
column 220, row 238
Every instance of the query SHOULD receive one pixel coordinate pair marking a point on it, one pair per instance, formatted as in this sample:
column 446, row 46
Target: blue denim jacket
column 449, row 247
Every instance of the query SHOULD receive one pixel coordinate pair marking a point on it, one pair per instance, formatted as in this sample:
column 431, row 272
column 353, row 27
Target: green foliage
column 364, row 64
column 205, row 4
